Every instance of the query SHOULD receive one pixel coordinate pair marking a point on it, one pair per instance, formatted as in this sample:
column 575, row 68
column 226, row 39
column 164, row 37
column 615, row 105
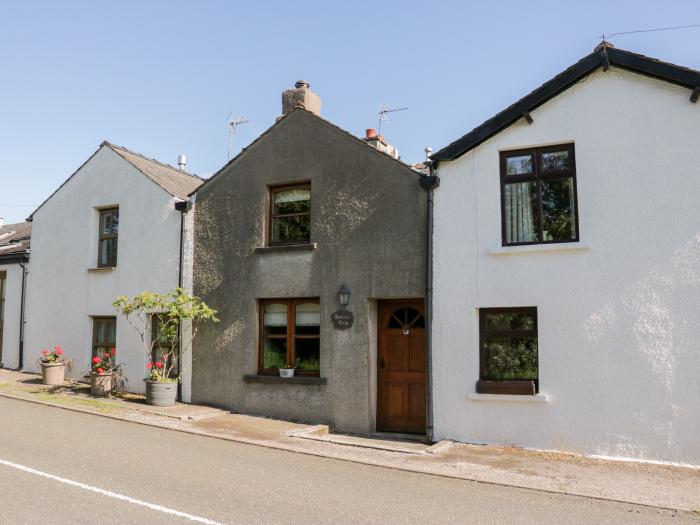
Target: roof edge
column 603, row 56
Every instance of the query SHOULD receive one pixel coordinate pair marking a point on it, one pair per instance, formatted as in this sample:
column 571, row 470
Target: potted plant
column 160, row 319
column 53, row 366
column 287, row 370
column 102, row 373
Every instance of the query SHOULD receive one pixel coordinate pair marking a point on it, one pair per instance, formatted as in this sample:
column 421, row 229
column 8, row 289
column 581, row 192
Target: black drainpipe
column 429, row 182
column 20, row 364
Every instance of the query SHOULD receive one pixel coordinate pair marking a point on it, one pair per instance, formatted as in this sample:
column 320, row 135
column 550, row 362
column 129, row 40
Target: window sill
column 307, row 247
column 537, row 398
column 535, row 248
column 296, row 380
column 99, row 270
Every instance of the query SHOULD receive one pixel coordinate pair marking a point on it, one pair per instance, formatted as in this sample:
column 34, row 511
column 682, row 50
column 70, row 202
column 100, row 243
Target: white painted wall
column 13, row 307
column 619, row 330
column 62, row 294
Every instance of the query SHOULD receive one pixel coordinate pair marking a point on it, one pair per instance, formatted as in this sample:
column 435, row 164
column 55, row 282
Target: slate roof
column 14, row 241
column 177, row 182
column 604, row 55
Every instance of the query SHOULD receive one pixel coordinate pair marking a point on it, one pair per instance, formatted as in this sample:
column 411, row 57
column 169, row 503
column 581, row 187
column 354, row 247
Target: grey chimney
column 302, row 96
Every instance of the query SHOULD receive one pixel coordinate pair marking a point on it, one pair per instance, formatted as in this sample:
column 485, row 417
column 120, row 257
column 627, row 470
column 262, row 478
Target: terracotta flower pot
column 161, row 394
column 101, row 384
column 53, row 373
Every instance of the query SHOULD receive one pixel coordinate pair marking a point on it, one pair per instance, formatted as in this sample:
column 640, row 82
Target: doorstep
column 385, row 442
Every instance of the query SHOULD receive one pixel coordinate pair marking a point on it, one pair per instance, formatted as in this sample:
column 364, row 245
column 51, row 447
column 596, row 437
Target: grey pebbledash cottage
column 304, row 219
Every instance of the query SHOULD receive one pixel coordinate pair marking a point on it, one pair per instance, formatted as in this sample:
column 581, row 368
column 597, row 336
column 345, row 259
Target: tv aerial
column 233, row 125
column 383, row 110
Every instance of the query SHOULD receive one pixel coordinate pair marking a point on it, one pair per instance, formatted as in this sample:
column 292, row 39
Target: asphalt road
column 62, row 467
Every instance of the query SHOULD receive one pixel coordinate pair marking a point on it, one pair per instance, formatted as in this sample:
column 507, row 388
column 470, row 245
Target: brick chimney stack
column 302, row 96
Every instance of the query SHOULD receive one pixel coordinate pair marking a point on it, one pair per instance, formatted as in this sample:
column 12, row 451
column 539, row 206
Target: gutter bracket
column 528, row 118
column 695, row 95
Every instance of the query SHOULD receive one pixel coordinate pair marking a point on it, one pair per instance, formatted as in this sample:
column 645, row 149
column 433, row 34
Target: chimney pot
column 182, row 162
column 370, row 133
column 302, row 84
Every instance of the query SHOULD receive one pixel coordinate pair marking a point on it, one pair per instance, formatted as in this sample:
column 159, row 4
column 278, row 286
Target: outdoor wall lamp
column 344, row 295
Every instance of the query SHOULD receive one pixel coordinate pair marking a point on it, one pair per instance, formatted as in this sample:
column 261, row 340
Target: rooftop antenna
column 233, row 124
column 383, row 110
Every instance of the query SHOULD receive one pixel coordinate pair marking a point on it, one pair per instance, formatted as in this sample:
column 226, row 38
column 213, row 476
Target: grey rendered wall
column 368, row 220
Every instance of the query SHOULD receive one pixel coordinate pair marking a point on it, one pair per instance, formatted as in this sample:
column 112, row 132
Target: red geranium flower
column 106, row 355
column 58, row 350
column 45, row 352
column 159, row 364
column 149, row 365
column 113, row 351
column 100, row 370
column 96, row 360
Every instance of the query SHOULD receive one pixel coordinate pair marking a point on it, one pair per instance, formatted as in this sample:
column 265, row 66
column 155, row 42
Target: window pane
column 555, row 161
column 510, row 358
column 308, row 319
column 308, row 354
column 291, row 229
column 104, row 251
column 519, row 165
column 115, row 221
column 275, row 353
column 521, row 212
column 275, row 315
column 292, row 201
column 558, row 219
column 510, row 321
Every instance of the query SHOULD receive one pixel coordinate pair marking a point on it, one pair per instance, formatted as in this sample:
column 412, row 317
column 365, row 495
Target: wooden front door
column 402, row 366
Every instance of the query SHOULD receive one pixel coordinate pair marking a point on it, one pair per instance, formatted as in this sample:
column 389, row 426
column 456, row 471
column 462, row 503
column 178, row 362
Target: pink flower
column 149, row 365
column 58, row 350
column 45, row 352
column 159, row 364
column 96, row 360
column 106, row 355
column 113, row 351
column 100, row 370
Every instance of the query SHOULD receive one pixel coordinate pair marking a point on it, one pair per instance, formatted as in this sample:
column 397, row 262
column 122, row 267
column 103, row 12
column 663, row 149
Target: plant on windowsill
column 53, row 366
column 287, row 370
column 105, row 374
column 170, row 312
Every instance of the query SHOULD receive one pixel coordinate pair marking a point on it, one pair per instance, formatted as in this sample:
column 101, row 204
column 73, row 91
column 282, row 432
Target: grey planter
column 161, row 394
column 101, row 384
column 53, row 373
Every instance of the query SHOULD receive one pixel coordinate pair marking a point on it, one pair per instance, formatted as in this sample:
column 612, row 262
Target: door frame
column 419, row 304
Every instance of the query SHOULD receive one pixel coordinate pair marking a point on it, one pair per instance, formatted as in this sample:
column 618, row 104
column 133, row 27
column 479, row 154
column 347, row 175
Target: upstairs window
column 538, row 196
column 107, row 243
column 290, row 214
column 508, row 357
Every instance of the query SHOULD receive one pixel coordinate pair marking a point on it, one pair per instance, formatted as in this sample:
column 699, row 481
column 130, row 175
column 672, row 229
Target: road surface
column 63, row 467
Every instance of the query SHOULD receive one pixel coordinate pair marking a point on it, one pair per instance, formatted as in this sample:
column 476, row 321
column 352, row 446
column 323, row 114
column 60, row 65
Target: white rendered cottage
column 567, row 267
column 14, row 259
column 113, row 228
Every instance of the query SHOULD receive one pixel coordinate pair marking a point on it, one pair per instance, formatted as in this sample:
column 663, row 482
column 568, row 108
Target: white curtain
column 519, row 224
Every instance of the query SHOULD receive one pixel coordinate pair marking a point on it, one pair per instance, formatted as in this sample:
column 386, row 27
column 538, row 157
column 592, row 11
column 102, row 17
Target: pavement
column 61, row 466
column 553, row 474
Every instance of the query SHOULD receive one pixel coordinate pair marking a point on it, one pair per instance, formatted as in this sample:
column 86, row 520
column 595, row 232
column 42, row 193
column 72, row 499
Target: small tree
column 170, row 311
